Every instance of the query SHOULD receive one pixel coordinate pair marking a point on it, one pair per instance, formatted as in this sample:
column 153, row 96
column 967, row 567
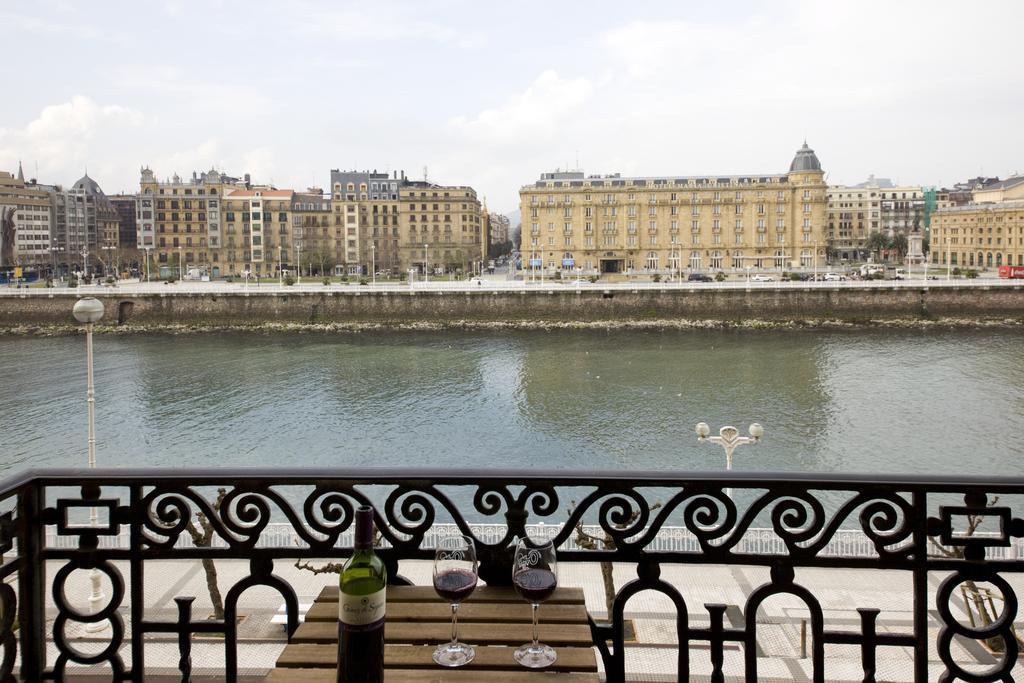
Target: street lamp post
column 85, row 262
column 949, row 270
column 55, row 250
column 298, row 259
column 280, row 267
column 89, row 311
column 426, row 270
column 181, row 273
column 729, row 438
column 109, row 249
column 373, row 263
column 148, row 256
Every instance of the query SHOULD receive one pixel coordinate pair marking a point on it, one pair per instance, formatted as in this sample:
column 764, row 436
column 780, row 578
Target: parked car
column 834, row 277
column 699, row 277
column 478, row 281
column 761, row 278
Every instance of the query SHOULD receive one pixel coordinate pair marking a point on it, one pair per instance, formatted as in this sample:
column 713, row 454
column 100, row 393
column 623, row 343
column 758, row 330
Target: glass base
column 535, row 657
column 454, row 654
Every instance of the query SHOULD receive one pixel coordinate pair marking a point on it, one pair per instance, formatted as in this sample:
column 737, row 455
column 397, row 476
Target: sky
column 493, row 94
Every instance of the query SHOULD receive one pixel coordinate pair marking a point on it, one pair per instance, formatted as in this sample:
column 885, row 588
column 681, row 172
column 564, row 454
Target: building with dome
column 675, row 225
column 85, row 228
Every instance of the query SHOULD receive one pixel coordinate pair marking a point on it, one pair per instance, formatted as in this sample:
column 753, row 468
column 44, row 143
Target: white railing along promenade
column 844, row 542
column 441, row 286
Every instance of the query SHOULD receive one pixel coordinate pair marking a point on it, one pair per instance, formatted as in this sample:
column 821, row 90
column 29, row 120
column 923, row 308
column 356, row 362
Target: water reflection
column 864, row 400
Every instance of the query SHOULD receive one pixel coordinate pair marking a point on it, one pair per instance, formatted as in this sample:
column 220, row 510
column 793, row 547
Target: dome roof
column 805, row 160
column 88, row 186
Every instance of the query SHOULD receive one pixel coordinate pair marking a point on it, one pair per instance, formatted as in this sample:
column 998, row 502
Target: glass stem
column 455, row 623
column 536, row 640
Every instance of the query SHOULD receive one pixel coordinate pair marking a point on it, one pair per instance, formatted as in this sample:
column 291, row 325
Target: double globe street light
column 729, row 439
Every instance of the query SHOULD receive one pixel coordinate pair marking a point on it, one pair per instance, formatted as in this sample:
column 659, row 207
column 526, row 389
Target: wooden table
column 494, row 621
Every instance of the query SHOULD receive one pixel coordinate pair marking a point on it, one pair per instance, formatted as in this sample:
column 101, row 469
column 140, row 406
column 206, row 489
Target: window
column 652, row 261
column 716, row 259
column 695, row 260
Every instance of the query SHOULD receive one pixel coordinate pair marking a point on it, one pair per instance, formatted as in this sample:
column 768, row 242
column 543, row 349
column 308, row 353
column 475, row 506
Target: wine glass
column 455, row 575
column 534, row 576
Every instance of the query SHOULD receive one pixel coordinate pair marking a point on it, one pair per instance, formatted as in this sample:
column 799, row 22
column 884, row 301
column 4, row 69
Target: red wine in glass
column 455, row 575
column 455, row 585
column 535, row 585
column 534, row 574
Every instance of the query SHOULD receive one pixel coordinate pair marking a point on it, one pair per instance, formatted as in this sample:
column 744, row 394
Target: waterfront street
column 652, row 657
column 315, row 286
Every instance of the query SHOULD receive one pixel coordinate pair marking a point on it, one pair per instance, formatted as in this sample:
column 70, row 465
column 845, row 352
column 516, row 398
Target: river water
column 913, row 401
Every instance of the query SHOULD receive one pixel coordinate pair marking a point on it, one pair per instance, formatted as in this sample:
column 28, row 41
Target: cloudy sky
column 491, row 94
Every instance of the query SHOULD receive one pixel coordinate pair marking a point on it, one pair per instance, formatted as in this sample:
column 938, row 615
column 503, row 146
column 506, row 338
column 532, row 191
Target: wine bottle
column 361, row 606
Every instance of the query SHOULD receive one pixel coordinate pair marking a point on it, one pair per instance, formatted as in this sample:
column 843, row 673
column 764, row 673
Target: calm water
column 867, row 401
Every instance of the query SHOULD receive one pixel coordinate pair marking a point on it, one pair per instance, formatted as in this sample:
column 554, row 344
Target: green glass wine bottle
column 361, row 605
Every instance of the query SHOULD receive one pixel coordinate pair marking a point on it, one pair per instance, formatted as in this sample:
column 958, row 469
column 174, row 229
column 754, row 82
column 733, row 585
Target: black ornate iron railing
column 907, row 521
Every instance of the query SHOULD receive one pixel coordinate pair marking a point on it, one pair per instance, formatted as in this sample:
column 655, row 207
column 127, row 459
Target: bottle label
column 360, row 610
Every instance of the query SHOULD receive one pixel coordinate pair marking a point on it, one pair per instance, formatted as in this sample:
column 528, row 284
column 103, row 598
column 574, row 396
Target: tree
column 590, row 542
column 899, row 245
column 979, row 601
column 876, row 243
column 202, row 533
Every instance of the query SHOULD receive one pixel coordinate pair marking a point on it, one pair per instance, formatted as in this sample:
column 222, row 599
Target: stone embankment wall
column 470, row 307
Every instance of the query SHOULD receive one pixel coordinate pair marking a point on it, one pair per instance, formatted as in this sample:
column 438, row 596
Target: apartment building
column 664, row 225
column 30, row 208
column 366, row 207
column 179, row 221
column 257, row 228
column 499, row 230
column 314, row 235
column 441, row 227
column 852, row 214
column 985, row 233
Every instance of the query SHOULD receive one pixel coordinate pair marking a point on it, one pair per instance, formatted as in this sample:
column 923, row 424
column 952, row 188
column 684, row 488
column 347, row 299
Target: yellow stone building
column 987, row 233
column 441, row 227
column 670, row 225
column 179, row 221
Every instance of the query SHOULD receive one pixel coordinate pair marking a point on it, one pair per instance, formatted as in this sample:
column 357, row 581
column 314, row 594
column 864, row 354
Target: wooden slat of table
column 299, row 655
column 420, row 633
column 435, row 676
column 498, row 594
column 468, row 612
column 494, row 620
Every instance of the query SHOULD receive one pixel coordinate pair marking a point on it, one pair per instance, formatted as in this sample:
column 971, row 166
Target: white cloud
column 542, row 111
column 64, row 138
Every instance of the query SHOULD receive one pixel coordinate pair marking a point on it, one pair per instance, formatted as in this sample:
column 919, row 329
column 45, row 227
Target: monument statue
column 7, row 231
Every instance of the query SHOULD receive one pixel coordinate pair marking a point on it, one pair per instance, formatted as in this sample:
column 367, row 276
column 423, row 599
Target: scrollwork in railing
column 654, row 520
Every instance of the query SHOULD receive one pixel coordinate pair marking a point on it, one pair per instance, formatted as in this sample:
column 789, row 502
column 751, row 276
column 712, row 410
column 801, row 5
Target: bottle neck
column 364, row 529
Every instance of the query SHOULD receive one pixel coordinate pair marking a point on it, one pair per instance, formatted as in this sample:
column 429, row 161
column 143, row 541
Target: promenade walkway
column 650, row 658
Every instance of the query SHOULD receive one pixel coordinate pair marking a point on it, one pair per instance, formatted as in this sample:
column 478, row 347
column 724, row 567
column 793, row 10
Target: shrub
column 971, row 273
column 656, row 277
column 877, row 275
column 363, row 281
column 72, row 281
column 957, row 272
column 289, row 280
column 327, row 280
column 402, row 276
column 110, row 280
column 344, row 278
column 557, row 275
column 719, row 276
column 592, row 278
